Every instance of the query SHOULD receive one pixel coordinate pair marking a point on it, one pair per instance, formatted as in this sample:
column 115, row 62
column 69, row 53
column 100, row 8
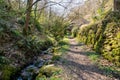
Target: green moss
column 56, row 57
column 49, row 72
column 118, row 35
column 41, row 77
column 104, row 36
column 7, row 72
column 97, row 47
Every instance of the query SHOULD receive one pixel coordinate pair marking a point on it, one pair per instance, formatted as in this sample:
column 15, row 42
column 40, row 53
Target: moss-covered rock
column 7, row 72
column 48, row 72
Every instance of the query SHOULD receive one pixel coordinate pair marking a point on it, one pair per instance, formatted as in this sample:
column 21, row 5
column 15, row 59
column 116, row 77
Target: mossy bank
column 104, row 36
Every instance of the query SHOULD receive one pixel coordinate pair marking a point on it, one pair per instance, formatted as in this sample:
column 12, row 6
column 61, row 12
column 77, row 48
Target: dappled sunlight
column 59, row 40
column 81, row 64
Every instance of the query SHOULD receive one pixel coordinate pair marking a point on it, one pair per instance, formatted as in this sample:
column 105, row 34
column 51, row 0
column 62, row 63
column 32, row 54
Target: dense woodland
column 36, row 41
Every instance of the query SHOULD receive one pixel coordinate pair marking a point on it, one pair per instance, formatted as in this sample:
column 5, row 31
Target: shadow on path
column 82, row 70
column 79, row 52
column 78, row 69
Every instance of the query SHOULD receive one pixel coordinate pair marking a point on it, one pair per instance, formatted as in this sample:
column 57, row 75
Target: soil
column 76, row 65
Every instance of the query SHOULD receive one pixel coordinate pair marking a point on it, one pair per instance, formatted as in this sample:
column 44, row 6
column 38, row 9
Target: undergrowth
column 61, row 49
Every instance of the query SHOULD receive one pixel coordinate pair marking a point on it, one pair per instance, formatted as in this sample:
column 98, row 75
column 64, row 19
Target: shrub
column 32, row 44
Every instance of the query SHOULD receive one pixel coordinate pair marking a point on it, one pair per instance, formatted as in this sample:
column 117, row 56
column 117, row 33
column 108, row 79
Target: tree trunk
column 10, row 5
column 116, row 5
column 28, row 12
column 35, row 16
column 19, row 3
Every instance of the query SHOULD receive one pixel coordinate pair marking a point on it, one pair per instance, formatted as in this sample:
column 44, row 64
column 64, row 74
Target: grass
column 93, row 56
column 64, row 45
column 61, row 49
column 110, row 71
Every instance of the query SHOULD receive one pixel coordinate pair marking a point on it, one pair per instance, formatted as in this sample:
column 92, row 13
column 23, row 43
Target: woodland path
column 76, row 65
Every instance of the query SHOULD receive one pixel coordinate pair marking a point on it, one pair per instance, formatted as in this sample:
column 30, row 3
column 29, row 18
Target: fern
column 4, row 60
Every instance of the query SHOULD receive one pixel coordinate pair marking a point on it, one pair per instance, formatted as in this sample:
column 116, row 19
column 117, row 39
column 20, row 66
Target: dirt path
column 77, row 66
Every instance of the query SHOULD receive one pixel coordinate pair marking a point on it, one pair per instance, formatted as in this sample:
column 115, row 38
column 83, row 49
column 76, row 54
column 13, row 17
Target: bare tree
column 116, row 5
column 28, row 12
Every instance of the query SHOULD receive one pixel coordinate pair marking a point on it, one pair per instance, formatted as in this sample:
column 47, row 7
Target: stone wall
column 104, row 36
